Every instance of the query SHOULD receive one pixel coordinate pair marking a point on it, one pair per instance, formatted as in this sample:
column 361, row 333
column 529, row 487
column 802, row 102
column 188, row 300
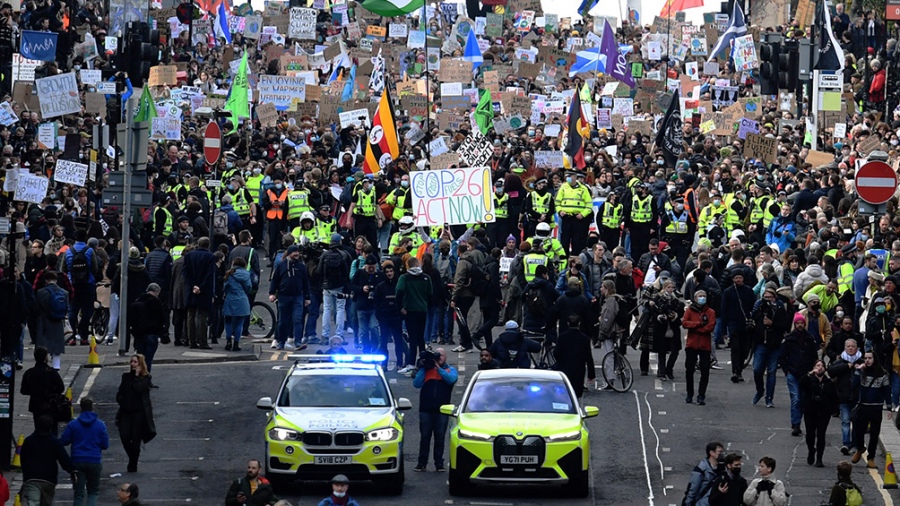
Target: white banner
column 31, row 188
column 70, row 172
column 452, row 196
column 58, row 95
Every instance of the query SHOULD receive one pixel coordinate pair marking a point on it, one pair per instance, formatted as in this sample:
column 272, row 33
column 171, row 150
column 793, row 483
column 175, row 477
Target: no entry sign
column 212, row 143
column 876, row 182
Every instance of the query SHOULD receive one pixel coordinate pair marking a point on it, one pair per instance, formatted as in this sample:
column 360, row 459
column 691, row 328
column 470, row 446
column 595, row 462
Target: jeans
column 312, row 314
column 793, row 384
column 869, row 416
column 846, row 434
column 432, row 424
column 87, row 476
column 85, row 295
column 113, row 316
column 432, row 323
column 765, row 361
column 233, row 327
column 368, row 330
column 290, row 319
column 895, row 389
column 393, row 328
column 198, row 326
column 333, row 308
column 38, row 493
column 147, row 346
column 415, row 326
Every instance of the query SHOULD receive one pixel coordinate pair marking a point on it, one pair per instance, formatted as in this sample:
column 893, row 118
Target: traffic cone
column 890, row 477
column 17, row 459
column 93, row 357
column 18, row 501
column 71, row 406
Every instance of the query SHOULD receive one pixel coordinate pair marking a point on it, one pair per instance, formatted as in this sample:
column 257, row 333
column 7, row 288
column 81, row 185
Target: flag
column 588, row 60
column 831, row 55
column 616, row 64
column 146, row 108
column 376, row 82
column 736, row 28
column 484, row 112
column 344, row 62
column 586, row 6
column 669, row 137
column 38, row 45
column 391, row 8
column 472, row 52
column 383, row 145
column 347, row 94
column 222, row 29
column 585, row 93
column 673, row 6
column 634, row 12
column 578, row 129
column 237, row 96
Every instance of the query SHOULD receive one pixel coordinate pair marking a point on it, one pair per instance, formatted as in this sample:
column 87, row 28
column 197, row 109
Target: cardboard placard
column 760, row 147
column 818, row 158
column 871, row 143
column 163, row 74
column 268, row 115
column 455, row 71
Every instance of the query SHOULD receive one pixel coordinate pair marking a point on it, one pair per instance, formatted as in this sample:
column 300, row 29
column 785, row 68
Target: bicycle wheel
column 262, row 320
column 100, row 323
column 548, row 360
column 617, row 372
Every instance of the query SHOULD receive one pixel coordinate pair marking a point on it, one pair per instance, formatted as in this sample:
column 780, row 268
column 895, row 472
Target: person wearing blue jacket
column 290, row 287
column 782, row 229
column 236, row 307
column 88, row 436
column 435, row 378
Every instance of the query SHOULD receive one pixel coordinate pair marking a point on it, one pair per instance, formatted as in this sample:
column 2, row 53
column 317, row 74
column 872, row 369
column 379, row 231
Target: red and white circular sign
column 876, row 182
column 212, row 143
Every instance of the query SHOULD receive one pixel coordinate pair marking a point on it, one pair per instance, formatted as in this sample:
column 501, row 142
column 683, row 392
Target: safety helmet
column 406, row 223
column 307, row 215
column 542, row 230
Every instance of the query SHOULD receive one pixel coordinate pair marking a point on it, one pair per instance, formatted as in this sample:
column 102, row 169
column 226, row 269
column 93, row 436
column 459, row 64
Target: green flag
column 484, row 113
column 146, row 108
column 585, row 94
column 237, row 97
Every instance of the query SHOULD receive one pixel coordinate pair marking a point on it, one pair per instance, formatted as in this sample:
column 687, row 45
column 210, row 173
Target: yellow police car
column 335, row 415
column 520, row 426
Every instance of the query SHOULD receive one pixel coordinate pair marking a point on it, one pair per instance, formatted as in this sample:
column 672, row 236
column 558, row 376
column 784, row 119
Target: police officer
column 639, row 218
column 574, row 203
column 298, row 203
column 364, row 220
column 401, row 201
column 532, row 260
column 709, row 213
column 539, row 208
column 306, row 228
column 609, row 221
column 406, row 229
column 326, row 225
column 761, row 214
column 498, row 231
column 163, row 221
column 552, row 248
column 675, row 224
column 845, row 270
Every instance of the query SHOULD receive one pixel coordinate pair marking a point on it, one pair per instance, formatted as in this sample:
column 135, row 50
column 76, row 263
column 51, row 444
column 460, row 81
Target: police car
column 335, row 414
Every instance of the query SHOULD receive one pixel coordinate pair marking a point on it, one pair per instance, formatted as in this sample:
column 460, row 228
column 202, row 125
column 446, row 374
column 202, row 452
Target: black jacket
column 511, row 349
column 537, row 322
column 264, row 495
column 159, row 267
column 365, row 301
column 574, row 358
column 40, row 383
column 40, row 454
column 841, row 372
column 818, row 395
column 737, row 485
column 798, row 353
column 147, row 317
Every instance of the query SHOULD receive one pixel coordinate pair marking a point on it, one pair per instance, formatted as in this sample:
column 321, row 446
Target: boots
column 856, row 457
column 228, row 345
column 871, row 464
column 811, row 456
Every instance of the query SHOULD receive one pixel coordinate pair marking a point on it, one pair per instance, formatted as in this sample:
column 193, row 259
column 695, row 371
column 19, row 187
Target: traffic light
column 142, row 51
column 789, row 66
column 768, row 68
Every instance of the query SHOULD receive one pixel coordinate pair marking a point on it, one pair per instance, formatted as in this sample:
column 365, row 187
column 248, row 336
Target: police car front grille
column 348, row 439
column 529, row 445
column 317, row 438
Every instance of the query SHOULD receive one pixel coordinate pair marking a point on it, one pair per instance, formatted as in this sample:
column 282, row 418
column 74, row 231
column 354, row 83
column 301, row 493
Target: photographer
column 364, row 283
column 435, row 377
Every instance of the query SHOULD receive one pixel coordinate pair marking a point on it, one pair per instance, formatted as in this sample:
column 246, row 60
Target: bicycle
column 545, row 358
column 617, row 371
column 262, row 320
column 100, row 317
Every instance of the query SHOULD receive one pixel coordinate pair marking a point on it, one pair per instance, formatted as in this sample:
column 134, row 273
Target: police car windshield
column 519, row 395
column 334, row 391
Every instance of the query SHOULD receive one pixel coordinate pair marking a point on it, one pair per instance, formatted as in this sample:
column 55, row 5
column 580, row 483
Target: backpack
column 334, row 269
column 703, row 491
column 80, row 269
column 58, row 302
column 220, row 222
column 534, row 301
column 854, row 496
column 623, row 317
column 254, row 277
column 479, row 280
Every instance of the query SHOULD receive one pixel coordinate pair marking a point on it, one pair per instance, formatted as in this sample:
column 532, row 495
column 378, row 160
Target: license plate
column 519, row 459
column 332, row 460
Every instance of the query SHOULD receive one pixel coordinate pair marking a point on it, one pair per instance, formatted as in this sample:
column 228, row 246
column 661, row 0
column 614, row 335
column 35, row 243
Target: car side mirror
column 265, row 403
column 403, row 404
column 591, row 411
column 448, row 409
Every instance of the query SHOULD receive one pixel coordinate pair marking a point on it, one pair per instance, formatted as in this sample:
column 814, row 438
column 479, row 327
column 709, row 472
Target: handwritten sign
column 58, row 95
column 452, row 196
column 31, row 188
column 70, row 172
column 760, row 147
column 476, row 149
column 548, row 159
column 163, row 74
column 281, row 90
column 748, row 126
column 302, row 23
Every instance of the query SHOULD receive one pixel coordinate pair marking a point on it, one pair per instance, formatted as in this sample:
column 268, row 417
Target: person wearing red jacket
column 876, row 89
column 699, row 320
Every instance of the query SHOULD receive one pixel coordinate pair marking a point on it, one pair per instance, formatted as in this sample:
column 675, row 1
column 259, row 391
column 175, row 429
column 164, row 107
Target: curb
column 212, row 358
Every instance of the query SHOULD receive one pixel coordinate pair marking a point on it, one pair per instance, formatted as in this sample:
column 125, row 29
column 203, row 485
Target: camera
column 428, row 359
column 344, row 295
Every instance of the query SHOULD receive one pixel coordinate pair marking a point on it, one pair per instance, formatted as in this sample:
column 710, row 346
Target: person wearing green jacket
column 414, row 290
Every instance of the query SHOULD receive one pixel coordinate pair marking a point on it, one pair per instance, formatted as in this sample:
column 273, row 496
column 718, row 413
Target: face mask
column 880, row 309
column 716, row 202
column 339, row 494
column 257, row 172
column 679, row 207
column 404, row 184
column 588, row 159
column 396, row 180
column 231, row 187
column 670, row 189
column 569, row 180
column 279, row 186
column 701, row 300
column 814, row 307
column 367, row 188
column 499, row 191
column 839, row 314
column 634, row 143
column 660, row 162
column 736, row 471
column 894, row 142
column 531, row 133
column 229, row 165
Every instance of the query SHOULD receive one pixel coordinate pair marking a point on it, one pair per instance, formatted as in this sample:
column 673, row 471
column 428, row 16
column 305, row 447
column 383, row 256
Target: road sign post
column 212, row 143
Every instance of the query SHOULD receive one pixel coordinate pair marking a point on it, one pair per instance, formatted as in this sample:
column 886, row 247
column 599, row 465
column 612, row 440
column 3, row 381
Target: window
column 334, row 391
column 520, row 395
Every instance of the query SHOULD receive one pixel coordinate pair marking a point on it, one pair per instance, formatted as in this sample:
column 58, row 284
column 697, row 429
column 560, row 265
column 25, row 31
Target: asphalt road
column 644, row 443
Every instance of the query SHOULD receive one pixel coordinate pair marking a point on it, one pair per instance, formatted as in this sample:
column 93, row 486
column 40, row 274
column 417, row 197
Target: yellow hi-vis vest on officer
column 397, row 198
column 170, row 221
column 759, row 211
column 641, row 209
column 298, row 203
column 365, row 203
column 253, row 184
column 531, row 262
column 541, row 205
column 612, row 215
column 845, row 277
column 707, row 215
column 677, row 224
column 500, row 205
column 554, row 252
column 239, row 203
column 176, row 252
column 325, row 230
column 413, row 235
column 574, row 200
column 312, row 234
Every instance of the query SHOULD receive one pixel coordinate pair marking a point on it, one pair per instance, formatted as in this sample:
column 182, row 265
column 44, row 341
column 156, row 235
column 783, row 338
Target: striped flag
column 383, row 145
column 736, row 28
column 391, row 8
column 578, row 129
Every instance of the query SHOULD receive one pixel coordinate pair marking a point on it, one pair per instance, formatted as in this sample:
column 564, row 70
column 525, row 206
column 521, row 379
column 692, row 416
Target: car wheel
column 579, row 485
column 393, row 485
column 458, row 483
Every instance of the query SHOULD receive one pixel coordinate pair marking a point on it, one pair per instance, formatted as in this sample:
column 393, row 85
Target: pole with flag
column 221, row 27
column 382, row 144
column 484, row 112
column 472, row 51
column 670, row 136
column 238, row 100
column 831, row 55
column 146, row 108
column 737, row 27
column 616, row 64
column 577, row 129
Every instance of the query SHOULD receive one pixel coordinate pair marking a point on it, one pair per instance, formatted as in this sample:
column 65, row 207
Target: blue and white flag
column 221, row 26
column 38, row 45
column 344, row 62
column 588, row 60
column 472, row 52
column 736, row 28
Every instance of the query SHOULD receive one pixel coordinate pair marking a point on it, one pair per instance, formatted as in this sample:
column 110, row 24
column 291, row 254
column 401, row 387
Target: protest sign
column 476, row 149
column 90, row 77
column 58, row 95
column 840, row 130
column 23, row 68
column 8, row 116
column 166, row 128
column 748, row 126
column 398, row 30
column 444, row 161
column 548, row 159
column 163, row 74
column 268, row 115
column 604, row 119
column 456, row 71
column 39, row 45
column 438, row 147
column 357, row 117
column 302, row 23
column 70, row 172
column 744, row 53
column 760, row 147
column 452, row 196
column 281, row 90
column 871, row 143
column 31, row 188
column 818, row 158
column 252, row 26
column 47, row 136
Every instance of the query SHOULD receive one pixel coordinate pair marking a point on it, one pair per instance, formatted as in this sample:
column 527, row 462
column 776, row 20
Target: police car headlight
column 477, row 436
column 386, row 434
column 282, row 434
column 575, row 435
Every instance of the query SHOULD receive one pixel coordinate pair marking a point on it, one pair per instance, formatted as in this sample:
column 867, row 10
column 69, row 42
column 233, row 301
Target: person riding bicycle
column 537, row 301
column 511, row 349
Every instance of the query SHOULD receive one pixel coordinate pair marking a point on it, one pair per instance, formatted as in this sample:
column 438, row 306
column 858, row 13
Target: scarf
column 851, row 358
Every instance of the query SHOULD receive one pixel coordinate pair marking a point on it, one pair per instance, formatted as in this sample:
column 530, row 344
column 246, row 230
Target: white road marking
column 637, row 401
column 888, row 501
column 88, row 384
column 215, row 403
column 662, row 474
column 185, row 439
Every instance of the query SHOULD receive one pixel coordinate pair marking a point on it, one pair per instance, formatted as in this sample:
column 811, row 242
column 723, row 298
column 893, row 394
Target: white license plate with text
column 331, row 460
column 519, row 459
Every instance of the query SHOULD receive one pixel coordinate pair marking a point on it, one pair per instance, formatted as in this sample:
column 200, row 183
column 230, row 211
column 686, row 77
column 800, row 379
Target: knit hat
column 371, row 260
column 134, row 252
column 292, row 248
column 799, row 318
column 877, row 276
column 813, row 297
column 511, row 325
